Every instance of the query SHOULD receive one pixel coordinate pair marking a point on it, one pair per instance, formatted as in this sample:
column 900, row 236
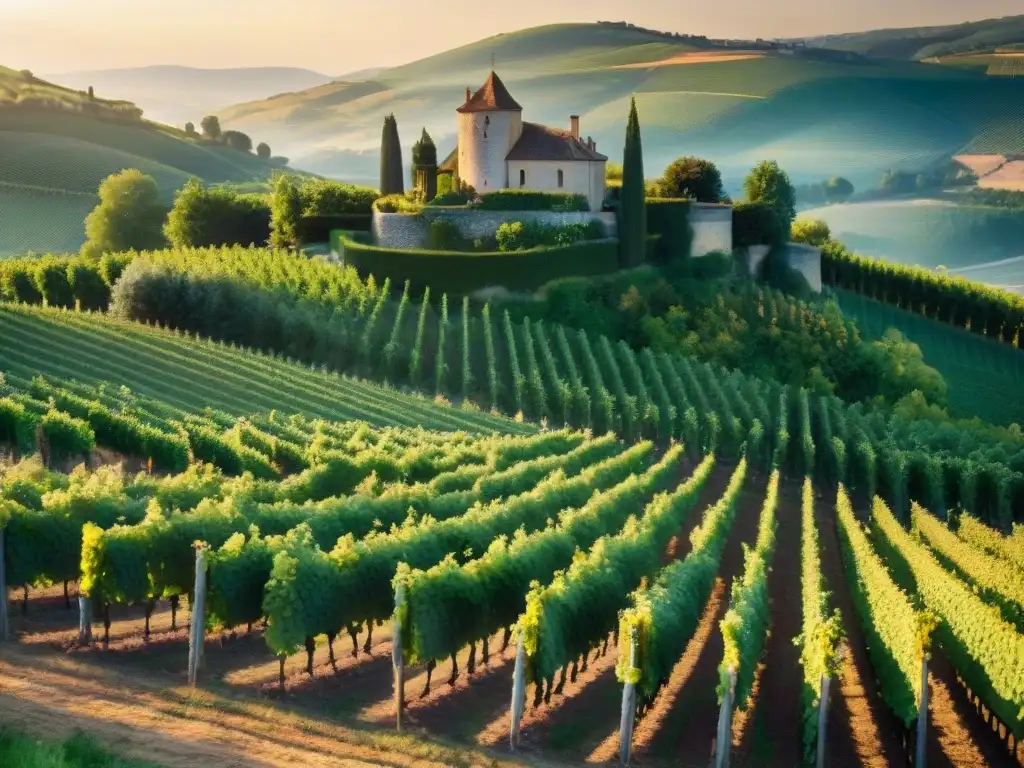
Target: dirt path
column 578, row 721
column 861, row 729
column 686, row 735
column 772, row 734
column 176, row 726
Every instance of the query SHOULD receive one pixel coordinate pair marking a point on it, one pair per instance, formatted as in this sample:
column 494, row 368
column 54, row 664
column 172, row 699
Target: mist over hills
column 817, row 111
column 177, row 94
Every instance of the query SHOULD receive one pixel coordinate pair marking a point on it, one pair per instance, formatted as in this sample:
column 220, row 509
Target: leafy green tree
column 391, row 177
column 263, row 150
column 237, row 140
column 285, row 214
column 810, row 231
column 837, row 189
column 204, row 217
column 692, row 178
column 129, row 215
column 632, row 208
column 211, row 127
column 613, row 171
column 769, row 184
column 190, row 129
column 424, row 166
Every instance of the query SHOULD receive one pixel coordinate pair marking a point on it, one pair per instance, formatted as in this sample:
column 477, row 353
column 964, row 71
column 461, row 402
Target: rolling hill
column 918, row 43
column 175, row 95
column 57, row 145
column 818, row 112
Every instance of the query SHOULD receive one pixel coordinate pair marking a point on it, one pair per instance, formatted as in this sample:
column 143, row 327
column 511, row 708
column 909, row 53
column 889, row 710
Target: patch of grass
column 79, row 751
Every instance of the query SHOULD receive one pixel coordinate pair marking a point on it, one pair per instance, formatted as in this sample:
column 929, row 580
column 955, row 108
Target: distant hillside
column 175, row 95
column 818, row 112
column 918, row 43
column 57, row 145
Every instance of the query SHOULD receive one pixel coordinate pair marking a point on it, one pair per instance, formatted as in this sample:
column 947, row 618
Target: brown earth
column 697, row 57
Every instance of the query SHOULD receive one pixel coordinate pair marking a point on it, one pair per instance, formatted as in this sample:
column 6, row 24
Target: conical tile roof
column 493, row 95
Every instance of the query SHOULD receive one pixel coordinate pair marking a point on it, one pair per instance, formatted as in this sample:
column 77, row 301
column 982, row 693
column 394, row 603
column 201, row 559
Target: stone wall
column 712, row 228
column 805, row 259
column 401, row 230
column 578, row 177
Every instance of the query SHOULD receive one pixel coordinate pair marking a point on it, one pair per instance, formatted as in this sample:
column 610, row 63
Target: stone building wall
column 579, row 177
column 712, row 228
column 485, row 139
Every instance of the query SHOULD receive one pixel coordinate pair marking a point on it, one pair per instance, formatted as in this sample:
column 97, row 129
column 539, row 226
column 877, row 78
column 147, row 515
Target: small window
column 487, row 124
column 561, row 179
column 522, row 177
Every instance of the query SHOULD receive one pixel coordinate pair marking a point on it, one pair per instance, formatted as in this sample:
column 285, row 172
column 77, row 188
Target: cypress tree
column 632, row 209
column 424, row 166
column 391, row 181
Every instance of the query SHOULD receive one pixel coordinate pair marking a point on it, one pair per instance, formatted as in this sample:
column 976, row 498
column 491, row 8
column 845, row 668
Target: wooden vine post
column 723, row 744
column 4, row 631
column 197, row 625
column 397, row 656
column 920, row 750
column 518, row 690
column 826, row 683
column 628, row 715
column 84, row 620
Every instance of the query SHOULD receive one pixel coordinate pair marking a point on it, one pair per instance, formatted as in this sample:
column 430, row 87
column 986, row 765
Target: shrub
column 322, row 197
column 444, row 235
column 67, row 436
column 396, row 204
column 810, row 231
column 285, row 211
column 670, row 220
column 527, row 200
column 521, row 236
column 756, row 224
column 87, row 284
column 51, row 276
column 204, row 217
column 450, row 198
column 263, row 151
column 17, row 425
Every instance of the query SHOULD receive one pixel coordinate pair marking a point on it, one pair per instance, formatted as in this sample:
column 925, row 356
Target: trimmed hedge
column 17, row 425
column 61, row 281
column 756, row 224
column 982, row 309
column 460, row 273
column 669, row 219
column 317, row 229
column 527, row 200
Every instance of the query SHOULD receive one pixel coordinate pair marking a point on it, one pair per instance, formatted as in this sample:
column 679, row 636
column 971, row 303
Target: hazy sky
column 336, row 36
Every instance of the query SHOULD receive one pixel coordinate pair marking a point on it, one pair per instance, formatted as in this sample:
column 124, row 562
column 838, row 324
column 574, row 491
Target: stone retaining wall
column 712, row 228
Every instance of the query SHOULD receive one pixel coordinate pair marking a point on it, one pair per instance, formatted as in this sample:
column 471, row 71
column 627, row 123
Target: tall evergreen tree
column 632, row 209
column 424, row 166
column 285, row 214
column 391, row 181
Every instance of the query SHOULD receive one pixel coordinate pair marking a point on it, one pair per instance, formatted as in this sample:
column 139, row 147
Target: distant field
column 41, row 220
column 1009, row 176
column 985, row 377
column 929, row 233
column 193, row 375
column 1006, row 273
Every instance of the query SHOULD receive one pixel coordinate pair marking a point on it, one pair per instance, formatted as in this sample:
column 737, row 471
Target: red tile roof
column 540, row 142
column 493, row 95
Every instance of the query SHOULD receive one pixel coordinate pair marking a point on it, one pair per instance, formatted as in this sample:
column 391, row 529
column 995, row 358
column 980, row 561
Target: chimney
column 469, row 95
column 574, row 125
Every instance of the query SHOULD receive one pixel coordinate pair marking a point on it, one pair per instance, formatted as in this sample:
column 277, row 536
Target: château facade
column 497, row 149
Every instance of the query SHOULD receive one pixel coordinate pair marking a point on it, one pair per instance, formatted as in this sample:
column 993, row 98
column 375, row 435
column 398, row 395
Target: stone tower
column 490, row 124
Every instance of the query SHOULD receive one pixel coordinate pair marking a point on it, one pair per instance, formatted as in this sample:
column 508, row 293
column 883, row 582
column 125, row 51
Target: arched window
column 561, row 178
column 522, row 177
